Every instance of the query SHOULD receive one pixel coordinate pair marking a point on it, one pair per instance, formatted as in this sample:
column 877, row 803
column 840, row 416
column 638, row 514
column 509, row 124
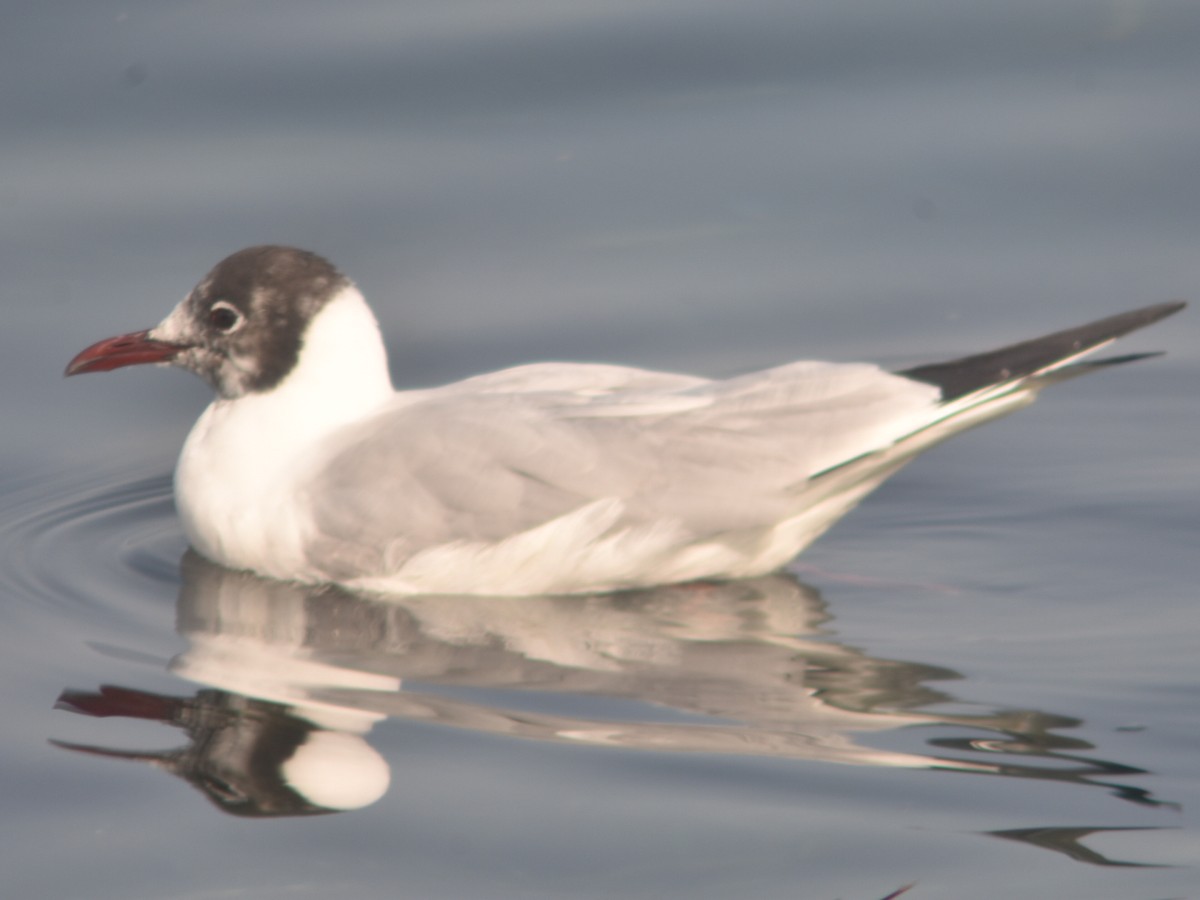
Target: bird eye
column 224, row 317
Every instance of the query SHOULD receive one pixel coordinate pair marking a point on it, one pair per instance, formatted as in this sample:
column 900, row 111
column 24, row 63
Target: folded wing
column 496, row 456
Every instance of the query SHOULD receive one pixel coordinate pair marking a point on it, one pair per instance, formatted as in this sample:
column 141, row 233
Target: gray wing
column 672, row 459
column 494, row 456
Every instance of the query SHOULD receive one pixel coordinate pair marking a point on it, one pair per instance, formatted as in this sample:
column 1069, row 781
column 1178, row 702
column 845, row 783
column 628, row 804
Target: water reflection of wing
column 722, row 667
column 296, row 676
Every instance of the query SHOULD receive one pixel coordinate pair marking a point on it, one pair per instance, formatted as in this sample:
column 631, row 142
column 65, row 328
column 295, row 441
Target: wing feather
column 492, row 457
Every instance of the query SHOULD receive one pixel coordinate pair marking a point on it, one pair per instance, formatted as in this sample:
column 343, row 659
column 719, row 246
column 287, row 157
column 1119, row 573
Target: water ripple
column 98, row 546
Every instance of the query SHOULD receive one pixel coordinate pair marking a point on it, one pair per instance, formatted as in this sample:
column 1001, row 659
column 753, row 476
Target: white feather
column 544, row 478
column 548, row 478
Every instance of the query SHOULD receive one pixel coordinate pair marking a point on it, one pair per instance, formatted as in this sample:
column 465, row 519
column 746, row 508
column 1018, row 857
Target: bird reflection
column 296, row 676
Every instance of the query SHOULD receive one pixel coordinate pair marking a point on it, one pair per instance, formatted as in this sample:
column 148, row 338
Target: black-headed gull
column 545, row 478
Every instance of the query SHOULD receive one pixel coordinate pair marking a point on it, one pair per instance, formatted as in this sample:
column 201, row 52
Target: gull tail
column 974, row 390
column 1034, row 363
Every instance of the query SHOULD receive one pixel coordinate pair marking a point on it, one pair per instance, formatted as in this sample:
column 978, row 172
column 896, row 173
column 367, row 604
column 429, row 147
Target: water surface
column 983, row 681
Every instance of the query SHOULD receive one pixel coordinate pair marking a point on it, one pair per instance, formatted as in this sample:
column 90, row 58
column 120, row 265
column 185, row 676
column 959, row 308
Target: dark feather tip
column 959, row 377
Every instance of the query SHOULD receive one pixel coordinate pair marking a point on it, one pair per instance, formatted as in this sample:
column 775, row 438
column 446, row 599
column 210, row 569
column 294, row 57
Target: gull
column 546, row 478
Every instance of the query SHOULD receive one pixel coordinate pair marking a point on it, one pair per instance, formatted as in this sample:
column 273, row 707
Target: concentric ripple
column 108, row 545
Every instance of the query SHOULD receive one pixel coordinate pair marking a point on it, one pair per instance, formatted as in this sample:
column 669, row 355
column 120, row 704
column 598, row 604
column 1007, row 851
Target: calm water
column 984, row 681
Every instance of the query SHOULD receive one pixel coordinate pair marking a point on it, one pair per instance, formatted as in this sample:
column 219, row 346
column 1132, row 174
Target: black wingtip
column 959, row 377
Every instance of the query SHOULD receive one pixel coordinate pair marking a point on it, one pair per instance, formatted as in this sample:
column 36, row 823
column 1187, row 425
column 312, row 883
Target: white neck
column 341, row 373
column 235, row 472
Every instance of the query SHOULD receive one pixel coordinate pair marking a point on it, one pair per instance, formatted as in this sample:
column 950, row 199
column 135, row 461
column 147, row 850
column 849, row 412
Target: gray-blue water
column 984, row 681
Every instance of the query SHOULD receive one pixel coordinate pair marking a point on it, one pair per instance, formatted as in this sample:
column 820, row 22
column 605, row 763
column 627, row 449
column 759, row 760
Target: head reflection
column 249, row 757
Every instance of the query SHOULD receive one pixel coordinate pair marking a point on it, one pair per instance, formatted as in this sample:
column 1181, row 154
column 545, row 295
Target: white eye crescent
column 225, row 317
